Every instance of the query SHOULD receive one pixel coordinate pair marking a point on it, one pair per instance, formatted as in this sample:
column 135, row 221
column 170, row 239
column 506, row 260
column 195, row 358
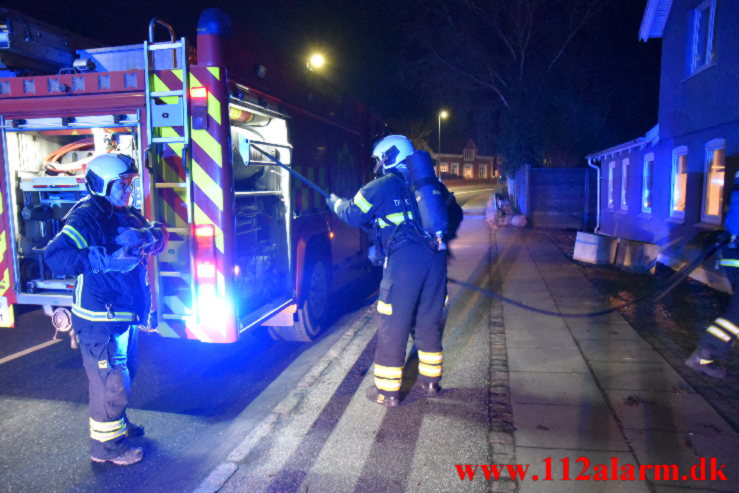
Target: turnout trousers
column 109, row 379
column 412, row 292
column 722, row 332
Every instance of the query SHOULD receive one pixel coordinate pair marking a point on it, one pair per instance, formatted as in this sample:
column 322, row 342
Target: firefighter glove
column 161, row 236
column 119, row 261
column 333, row 201
column 133, row 238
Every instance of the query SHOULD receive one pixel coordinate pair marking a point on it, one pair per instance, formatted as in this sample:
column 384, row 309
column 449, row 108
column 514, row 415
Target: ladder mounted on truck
column 166, row 109
column 169, row 114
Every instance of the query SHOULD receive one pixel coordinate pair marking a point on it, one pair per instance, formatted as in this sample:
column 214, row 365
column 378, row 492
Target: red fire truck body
column 249, row 244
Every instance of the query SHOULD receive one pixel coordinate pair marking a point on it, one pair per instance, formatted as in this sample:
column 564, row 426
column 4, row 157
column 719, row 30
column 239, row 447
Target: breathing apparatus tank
column 427, row 191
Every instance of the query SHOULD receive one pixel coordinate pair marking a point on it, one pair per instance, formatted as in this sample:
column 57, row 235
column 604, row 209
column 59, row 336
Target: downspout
column 591, row 164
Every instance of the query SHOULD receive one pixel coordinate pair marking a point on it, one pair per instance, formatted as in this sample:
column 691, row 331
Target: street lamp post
column 442, row 115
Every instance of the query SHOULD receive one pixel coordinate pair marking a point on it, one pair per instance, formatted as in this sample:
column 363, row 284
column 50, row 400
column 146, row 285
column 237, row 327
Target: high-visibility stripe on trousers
column 107, row 430
column 722, row 332
column 388, row 378
column 429, row 364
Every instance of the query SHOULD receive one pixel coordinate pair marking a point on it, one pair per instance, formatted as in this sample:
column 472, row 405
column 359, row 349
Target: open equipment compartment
column 262, row 261
column 46, row 159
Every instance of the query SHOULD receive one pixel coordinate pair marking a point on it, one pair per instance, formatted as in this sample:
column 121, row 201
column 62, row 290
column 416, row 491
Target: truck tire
column 312, row 315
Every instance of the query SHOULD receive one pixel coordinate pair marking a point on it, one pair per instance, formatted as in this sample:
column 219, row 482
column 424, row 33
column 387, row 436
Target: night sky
column 365, row 42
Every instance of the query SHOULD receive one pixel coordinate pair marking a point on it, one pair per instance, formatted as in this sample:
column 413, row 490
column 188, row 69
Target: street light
column 316, row 61
column 443, row 114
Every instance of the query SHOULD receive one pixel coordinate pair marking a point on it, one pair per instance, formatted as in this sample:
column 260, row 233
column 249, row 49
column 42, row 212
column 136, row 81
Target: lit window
column 701, row 31
column 624, row 184
column 647, row 183
column 469, row 171
column 714, row 183
column 444, row 168
column 679, row 182
column 611, row 173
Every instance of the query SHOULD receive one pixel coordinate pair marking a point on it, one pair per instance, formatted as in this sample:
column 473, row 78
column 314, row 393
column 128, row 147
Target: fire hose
column 658, row 292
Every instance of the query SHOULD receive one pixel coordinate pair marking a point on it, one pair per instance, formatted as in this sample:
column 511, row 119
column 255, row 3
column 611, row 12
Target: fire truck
column 249, row 245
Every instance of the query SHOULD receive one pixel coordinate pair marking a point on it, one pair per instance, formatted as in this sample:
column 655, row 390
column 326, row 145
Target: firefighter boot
column 385, row 400
column 130, row 456
column 702, row 361
column 429, row 389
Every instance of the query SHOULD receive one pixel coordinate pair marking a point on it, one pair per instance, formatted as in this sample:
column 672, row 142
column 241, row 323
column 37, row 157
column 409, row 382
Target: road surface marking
column 29, row 350
column 222, row 473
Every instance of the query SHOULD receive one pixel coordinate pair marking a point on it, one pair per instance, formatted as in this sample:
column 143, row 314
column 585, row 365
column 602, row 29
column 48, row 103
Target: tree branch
column 591, row 11
column 488, row 84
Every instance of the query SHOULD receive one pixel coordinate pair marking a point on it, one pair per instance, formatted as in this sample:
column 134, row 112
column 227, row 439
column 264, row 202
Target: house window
column 455, row 169
column 469, row 171
column 714, row 183
column 647, row 183
column 483, row 171
column 611, row 173
column 469, row 154
column 702, row 31
column 444, row 168
column 679, row 182
column 624, row 184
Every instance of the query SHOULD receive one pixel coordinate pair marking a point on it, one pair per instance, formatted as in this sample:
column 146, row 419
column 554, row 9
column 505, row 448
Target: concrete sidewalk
column 592, row 388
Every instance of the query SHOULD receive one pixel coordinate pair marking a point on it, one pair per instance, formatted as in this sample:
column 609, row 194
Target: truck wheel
column 312, row 315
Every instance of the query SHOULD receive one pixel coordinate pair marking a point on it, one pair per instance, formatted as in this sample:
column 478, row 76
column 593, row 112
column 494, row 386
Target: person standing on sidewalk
column 716, row 340
column 104, row 244
column 413, row 287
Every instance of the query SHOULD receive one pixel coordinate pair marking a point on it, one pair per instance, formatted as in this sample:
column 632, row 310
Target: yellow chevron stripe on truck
column 3, row 245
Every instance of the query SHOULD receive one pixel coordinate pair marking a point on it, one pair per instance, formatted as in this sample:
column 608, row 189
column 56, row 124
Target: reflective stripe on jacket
column 386, row 197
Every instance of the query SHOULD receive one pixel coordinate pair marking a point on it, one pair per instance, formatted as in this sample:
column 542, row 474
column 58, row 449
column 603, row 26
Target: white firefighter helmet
column 392, row 151
column 103, row 170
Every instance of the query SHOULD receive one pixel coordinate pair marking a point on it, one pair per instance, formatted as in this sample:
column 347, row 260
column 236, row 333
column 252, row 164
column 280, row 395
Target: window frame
column 624, row 195
column 677, row 153
column 710, row 148
column 647, row 173
column 610, row 198
column 709, row 7
column 471, row 169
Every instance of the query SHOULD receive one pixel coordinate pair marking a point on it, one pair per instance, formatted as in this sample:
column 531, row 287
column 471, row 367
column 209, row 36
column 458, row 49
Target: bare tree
column 508, row 55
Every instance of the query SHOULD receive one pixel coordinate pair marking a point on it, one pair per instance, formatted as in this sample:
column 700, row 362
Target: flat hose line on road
column 671, row 283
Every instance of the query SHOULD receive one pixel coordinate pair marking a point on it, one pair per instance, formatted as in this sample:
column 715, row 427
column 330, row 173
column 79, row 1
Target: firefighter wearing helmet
column 413, row 287
column 105, row 244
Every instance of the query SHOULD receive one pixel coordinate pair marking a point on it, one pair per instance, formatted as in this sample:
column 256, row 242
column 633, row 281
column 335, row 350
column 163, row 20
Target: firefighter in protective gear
column 718, row 337
column 105, row 244
column 413, row 287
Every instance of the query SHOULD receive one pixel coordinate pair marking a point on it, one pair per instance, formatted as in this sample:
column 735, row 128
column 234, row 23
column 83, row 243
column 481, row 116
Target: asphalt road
column 189, row 395
column 198, row 401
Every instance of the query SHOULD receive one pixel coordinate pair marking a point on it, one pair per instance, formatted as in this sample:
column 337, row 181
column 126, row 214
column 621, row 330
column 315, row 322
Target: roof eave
column 655, row 16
